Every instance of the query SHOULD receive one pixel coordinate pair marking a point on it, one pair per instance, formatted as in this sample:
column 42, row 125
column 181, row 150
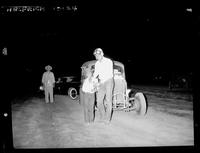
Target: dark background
column 150, row 38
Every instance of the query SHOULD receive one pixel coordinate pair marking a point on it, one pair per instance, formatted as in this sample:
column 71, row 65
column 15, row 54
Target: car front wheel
column 140, row 103
column 72, row 92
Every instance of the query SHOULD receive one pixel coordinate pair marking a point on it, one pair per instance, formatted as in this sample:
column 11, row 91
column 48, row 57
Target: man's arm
column 43, row 78
column 53, row 79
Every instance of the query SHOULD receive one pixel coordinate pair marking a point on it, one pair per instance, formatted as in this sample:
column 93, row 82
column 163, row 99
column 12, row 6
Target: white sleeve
column 53, row 78
column 43, row 78
column 111, row 65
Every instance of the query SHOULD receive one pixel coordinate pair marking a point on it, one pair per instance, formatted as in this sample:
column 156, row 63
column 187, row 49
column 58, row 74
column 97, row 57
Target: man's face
column 98, row 57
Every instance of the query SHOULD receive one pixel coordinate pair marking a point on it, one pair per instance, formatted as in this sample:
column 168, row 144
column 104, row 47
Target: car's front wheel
column 72, row 92
column 140, row 103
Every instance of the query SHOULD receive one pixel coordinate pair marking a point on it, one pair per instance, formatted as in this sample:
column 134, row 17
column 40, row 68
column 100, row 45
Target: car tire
column 140, row 103
column 72, row 93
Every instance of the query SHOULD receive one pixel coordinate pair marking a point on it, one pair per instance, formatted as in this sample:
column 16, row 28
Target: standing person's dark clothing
column 88, row 105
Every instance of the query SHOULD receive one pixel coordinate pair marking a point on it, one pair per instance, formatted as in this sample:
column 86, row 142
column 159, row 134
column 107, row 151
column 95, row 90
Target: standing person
column 48, row 81
column 88, row 98
column 104, row 72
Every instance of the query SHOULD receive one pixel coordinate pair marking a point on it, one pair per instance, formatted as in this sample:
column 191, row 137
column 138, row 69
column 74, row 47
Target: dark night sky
column 144, row 36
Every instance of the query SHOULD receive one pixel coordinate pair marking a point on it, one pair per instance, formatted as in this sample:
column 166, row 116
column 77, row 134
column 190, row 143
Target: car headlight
column 41, row 88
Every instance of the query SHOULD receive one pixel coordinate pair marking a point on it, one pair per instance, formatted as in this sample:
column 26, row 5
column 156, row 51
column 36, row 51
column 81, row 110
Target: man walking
column 104, row 72
column 48, row 81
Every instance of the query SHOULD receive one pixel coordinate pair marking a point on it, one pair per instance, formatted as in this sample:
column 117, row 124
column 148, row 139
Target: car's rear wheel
column 72, row 92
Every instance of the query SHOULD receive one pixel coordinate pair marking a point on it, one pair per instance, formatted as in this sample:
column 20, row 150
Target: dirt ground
column 168, row 122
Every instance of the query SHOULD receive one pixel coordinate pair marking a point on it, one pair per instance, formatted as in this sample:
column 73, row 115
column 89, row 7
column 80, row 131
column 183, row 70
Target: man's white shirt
column 104, row 69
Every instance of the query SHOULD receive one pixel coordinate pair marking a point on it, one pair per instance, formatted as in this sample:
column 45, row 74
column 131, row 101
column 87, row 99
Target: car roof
column 89, row 63
column 92, row 62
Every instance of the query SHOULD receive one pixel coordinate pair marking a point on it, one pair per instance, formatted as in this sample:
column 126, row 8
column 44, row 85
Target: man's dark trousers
column 88, row 100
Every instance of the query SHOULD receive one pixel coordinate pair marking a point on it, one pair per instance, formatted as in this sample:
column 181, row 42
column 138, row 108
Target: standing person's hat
column 98, row 51
column 48, row 67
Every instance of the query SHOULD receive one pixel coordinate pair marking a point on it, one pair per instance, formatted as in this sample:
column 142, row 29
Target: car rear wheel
column 72, row 92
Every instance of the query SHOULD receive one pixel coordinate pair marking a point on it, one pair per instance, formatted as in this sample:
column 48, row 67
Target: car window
column 92, row 69
column 118, row 68
column 69, row 79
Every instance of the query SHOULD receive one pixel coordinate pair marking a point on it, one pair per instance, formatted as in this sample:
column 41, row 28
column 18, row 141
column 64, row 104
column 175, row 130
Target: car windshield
column 117, row 69
column 68, row 79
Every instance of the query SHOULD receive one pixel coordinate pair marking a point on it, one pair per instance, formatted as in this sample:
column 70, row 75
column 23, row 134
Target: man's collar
column 102, row 59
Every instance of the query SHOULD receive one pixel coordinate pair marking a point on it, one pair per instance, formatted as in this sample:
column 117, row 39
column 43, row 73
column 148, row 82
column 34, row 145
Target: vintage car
column 68, row 85
column 122, row 97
